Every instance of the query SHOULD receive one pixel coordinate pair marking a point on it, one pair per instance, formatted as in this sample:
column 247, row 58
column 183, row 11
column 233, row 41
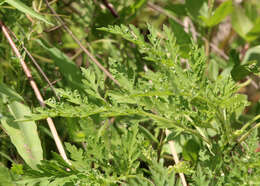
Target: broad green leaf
column 194, row 8
column 27, row 10
column 191, row 150
column 5, row 177
column 9, row 92
column 67, row 67
column 234, row 57
column 176, row 9
column 240, row 22
column 239, row 72
column 254, row 33
column 252, row 54
column 220, row 13
column 23, row 135
column 182, row 38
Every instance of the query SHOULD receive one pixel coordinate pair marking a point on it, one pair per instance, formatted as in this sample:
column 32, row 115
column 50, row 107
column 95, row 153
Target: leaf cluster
column 177, row 95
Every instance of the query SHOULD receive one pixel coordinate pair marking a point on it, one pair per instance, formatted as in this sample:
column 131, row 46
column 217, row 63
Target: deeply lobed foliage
column 117, row 134
column 178, row 96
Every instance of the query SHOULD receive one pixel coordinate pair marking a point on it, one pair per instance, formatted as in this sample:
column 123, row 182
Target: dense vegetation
column 134, row 92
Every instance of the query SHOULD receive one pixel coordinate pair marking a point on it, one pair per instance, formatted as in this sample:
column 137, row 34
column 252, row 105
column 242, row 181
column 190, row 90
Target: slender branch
column 250, row 122
column 110, row 8
column 81, row 45
column 36, row 91
column 175, row 157
column 41, row 71
column 248, row 133
column 36, row 64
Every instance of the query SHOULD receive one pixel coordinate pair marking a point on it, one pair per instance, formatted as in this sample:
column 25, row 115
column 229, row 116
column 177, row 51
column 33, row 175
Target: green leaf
column 252, row 54
column 221, row 12
column 182, row 167
column 240, row 22
column 148, row 134
column 27, row 10
column 253, row 34
column 162, row 175
column 182, row 38
column 10, row 93
column 67, row 67
column 191, row 150
column 241, row 70
column 194, row 9
column 138, row 4
column 176, row 9
column 234, row 57
column 23, row 135
column 5, row 177
column 17, row 169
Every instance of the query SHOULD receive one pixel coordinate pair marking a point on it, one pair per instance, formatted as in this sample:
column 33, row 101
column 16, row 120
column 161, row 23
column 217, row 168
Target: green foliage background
column 169, row 79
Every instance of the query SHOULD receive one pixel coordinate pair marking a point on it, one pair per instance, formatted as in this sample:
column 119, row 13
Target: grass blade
column 27, row 10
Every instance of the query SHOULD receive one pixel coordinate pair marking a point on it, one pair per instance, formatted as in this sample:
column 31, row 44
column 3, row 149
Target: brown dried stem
column 36, row 64
column 36, row 91
column 110, row 8
column 175, row 157
column 81, row 45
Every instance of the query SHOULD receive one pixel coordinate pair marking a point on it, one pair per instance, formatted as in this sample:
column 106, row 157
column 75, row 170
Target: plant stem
column 36, row 91
column 81, row 45
column 175, row 157
column 250, row 122
column 248, row 133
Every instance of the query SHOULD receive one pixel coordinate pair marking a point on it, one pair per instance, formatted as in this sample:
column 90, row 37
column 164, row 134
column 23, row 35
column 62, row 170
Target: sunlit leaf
column 27, row 10
column 23, row 135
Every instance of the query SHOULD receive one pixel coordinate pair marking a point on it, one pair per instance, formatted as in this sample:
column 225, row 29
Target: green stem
column 248, row 133
column 174, row 124
column 250, row 122
column 242, row 131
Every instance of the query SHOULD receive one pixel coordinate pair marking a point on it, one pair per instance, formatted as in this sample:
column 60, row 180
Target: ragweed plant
column 174, row 93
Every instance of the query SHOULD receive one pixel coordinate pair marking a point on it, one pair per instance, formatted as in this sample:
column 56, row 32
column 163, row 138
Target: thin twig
column 110, row 8
column 36, row 91
column 175, row 157
column 41, row 71
column 81, row 46
column 161, row 10
column 52, row 83
column 36, row 64
column 53, row 28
